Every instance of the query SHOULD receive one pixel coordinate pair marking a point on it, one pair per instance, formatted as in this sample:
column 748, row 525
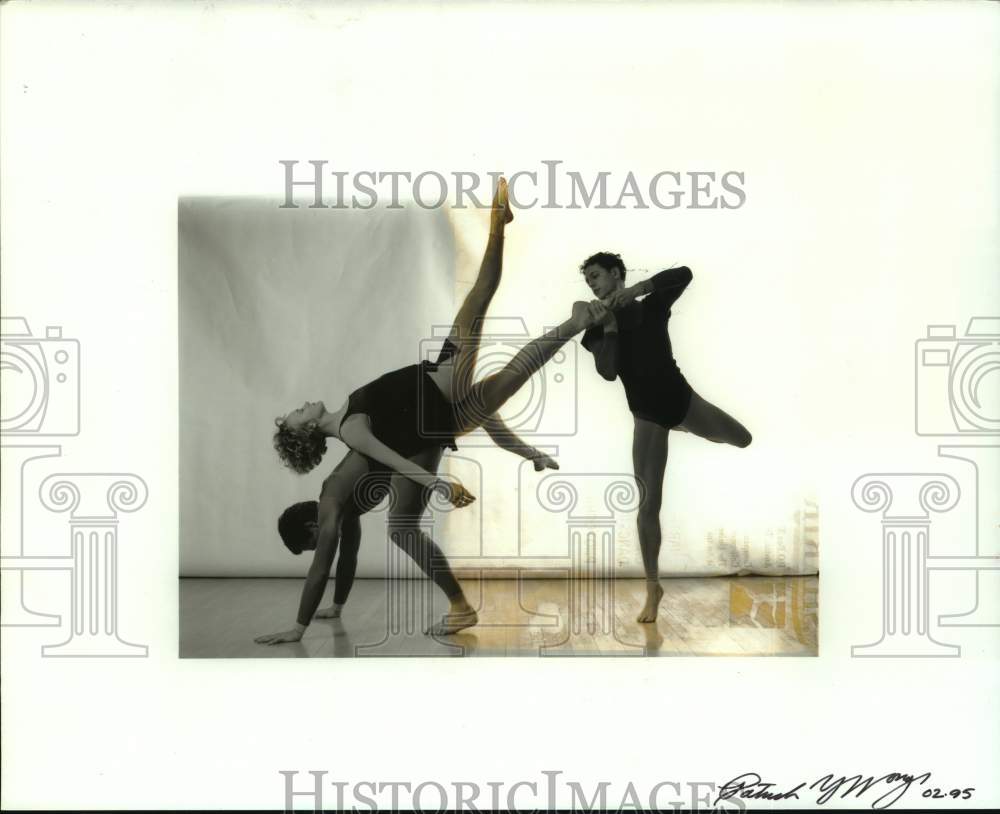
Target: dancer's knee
column 649, row 513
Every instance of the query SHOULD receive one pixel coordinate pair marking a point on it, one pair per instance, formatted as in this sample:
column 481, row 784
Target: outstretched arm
column 356, row 433
column 347, row 566
column 319, row 573
column 505, row 438
column 667, row 285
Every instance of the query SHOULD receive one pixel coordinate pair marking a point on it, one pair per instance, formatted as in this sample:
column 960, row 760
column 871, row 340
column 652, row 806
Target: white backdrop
column 281, row 305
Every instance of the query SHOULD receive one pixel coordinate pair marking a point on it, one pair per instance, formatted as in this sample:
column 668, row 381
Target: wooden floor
column 710, row 616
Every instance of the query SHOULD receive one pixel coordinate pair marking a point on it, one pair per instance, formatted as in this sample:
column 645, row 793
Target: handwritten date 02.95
column 883, row 791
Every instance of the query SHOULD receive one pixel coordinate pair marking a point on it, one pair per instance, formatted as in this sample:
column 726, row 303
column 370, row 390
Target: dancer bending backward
column 629, row 340
column 408, row 414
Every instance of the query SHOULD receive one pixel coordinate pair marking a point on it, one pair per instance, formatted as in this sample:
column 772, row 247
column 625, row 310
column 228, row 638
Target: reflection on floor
column 711, row 616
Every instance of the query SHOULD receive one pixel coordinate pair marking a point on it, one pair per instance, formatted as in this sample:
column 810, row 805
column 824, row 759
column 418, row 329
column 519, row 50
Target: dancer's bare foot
column 502, row 213
column 459, row 616
column 333, row 612
column 453, row 622
column 654, row 593
column 542, row 461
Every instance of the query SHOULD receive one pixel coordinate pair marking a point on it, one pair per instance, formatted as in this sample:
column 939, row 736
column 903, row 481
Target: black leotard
column 408, row 414
column 654, row 386
column 407, row 410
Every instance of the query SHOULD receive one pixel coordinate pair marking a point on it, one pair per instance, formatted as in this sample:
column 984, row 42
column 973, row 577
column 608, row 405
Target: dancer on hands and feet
column 298, row 525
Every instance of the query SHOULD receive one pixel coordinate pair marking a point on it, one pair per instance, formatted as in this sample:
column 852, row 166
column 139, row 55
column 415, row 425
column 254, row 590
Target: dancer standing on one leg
column 630, row 341
column 405, row 412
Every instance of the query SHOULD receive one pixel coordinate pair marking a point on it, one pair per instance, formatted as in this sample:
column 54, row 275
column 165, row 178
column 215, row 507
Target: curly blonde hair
column 300, row 450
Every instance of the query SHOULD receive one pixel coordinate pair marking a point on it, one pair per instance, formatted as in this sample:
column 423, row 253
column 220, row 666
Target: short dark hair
column 606, row 260
column 292, row 525
column 300, row 450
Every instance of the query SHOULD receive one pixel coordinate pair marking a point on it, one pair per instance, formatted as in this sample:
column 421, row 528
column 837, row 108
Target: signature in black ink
column 750, row 786
column 830, row 786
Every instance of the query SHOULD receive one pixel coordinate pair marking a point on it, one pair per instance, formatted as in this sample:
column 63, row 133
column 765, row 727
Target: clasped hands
column 600, row 311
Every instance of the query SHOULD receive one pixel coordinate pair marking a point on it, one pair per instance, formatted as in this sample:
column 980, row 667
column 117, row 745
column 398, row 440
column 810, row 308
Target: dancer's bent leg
column 708, row 421
column 649, row 460
column 404, row 524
